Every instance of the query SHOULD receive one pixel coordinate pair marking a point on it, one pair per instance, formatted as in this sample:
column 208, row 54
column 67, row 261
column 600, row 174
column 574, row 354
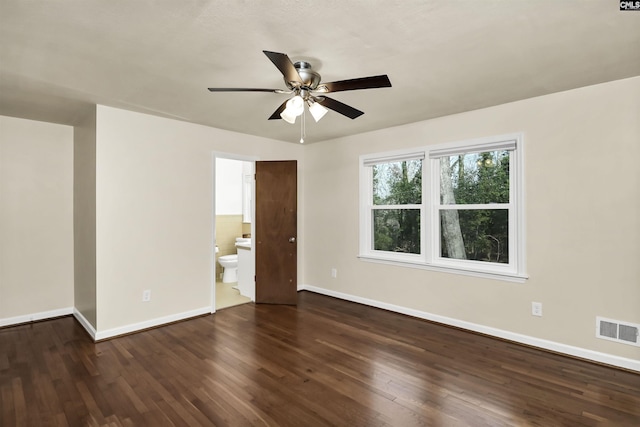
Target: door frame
column 229, row 156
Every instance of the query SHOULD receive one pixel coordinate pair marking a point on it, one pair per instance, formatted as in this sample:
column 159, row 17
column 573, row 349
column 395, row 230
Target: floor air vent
column 616, row 330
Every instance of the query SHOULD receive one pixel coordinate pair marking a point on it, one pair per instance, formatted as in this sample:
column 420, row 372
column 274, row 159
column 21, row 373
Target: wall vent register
column 619, row 331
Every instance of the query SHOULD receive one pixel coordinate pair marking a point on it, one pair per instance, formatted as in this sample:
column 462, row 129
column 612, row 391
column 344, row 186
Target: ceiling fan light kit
column 317, row 111
column 295, row 107
column 288, row 117
column 305, row 83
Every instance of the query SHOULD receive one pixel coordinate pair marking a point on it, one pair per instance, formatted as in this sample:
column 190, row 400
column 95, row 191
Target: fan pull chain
column 303, row 131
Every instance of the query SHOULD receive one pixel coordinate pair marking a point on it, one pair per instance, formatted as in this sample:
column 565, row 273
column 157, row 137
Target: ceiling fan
column 306, row 86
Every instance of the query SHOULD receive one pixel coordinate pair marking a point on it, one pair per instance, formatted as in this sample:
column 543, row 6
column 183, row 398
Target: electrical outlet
column 334, row 272
column 536, row 309
column 146, row 295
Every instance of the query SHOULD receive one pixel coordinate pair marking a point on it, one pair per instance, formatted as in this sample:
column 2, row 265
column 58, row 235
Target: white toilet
column 230, row 265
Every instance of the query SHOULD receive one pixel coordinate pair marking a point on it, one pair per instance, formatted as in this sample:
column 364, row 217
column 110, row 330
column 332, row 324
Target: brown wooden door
column 276, row 237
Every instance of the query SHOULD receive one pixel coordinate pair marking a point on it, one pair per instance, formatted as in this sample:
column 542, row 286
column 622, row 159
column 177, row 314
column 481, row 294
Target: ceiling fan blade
column 276, row 114
column 284, row 64
column 338, row 106
column 372, row 82
column 242, row 89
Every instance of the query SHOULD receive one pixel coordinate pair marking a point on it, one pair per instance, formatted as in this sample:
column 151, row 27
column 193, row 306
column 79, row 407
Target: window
column 467, row 218
column 394, row 207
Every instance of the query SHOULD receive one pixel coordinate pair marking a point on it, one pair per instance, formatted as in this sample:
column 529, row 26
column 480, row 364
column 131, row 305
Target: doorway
column 233, row 220
column 267, row 263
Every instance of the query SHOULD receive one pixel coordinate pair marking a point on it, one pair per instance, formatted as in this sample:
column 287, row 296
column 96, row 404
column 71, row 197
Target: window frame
column 366, row 192
column 429, row 257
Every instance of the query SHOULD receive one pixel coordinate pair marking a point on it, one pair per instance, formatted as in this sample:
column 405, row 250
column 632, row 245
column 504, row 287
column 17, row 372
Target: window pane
column 396, row 230
column 475, row 178
column 478, row 235
column 397, row 183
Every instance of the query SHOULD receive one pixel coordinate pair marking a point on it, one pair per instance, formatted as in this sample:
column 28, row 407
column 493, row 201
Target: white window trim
column 428, row 259
column 366, row 207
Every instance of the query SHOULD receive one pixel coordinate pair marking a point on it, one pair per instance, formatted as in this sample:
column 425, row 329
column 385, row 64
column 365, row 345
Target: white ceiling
column 442, row 56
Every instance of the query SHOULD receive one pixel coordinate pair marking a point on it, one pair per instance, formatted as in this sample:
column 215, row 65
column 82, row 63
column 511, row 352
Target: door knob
column 292, row 239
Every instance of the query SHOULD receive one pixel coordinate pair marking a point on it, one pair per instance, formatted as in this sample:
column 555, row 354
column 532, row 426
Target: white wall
column 36, row 219
column 229, row 186
column 582, row 214
column 155, row 214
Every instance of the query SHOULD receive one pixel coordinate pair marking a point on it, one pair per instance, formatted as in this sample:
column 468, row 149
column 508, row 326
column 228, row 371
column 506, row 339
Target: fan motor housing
column 310, row 79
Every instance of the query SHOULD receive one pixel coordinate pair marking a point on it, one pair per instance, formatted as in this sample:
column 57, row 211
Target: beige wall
column 84, row 214
column 582, row 151
column 36, row 217
column 154, row 218
column 228, row 227
column 155, row 214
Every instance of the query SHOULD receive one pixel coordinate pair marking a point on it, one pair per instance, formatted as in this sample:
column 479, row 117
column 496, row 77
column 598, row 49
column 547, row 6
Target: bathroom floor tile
column 227, row 296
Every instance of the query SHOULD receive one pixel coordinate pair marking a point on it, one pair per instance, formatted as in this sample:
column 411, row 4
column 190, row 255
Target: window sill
column 507, row 277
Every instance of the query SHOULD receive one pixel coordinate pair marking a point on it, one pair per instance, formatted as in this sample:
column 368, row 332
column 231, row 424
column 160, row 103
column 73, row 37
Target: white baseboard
column 43, row 315
column 85, row 323
column 135, row 327
column 582, row 353
column 95, row 335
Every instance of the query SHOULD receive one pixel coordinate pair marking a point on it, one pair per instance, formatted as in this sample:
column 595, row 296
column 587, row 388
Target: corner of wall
column 84, row 218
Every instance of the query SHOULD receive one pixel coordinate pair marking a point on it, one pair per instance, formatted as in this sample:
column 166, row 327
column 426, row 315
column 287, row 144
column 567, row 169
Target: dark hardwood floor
column 325, row 363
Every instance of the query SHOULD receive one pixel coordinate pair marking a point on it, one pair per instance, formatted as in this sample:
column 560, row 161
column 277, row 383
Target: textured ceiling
column 442, row 57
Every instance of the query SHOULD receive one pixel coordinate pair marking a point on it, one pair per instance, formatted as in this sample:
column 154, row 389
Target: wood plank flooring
column 325, row 362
